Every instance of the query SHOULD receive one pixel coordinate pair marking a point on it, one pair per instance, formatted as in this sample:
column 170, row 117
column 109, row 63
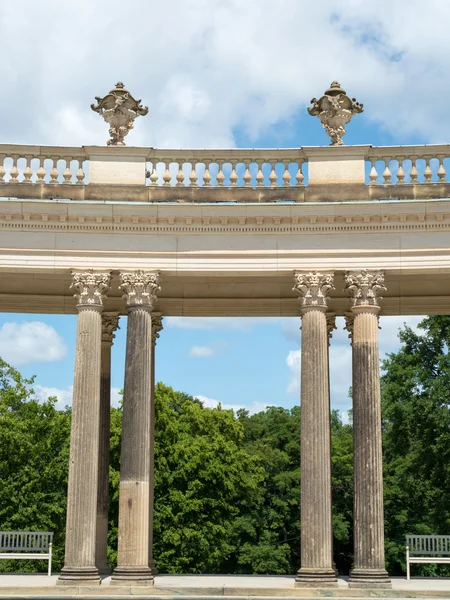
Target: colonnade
column 87, row 505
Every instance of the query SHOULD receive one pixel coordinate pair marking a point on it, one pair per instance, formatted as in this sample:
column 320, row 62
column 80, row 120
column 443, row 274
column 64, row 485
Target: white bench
column 24, row 545
column 427, row 549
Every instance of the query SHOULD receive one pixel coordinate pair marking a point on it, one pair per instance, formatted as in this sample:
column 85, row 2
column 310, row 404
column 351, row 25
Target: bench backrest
column 428, row 544
column 25, row 541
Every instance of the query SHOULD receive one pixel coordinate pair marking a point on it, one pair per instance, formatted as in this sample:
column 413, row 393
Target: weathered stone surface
column 369, row 569
column 110, row 322
column 316, row 568
column 79, row 564
column 135, row 465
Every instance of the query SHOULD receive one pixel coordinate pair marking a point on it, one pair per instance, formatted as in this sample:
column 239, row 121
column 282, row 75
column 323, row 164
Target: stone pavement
column 30, row 586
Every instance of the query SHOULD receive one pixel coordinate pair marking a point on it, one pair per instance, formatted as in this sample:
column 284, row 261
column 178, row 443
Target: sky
column 216, row 73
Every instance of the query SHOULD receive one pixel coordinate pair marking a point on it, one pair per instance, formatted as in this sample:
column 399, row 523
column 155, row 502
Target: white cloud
column 218, row 323
column 211, row 73
column 65, row 395
column 200, row 352
column 30, row 341
column 253, row 408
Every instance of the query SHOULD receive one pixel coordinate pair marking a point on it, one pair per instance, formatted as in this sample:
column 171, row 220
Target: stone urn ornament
column 119, row 109
column 335, row 109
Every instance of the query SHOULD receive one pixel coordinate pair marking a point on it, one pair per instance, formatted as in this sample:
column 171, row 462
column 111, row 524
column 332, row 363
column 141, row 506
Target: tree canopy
column 227, row 486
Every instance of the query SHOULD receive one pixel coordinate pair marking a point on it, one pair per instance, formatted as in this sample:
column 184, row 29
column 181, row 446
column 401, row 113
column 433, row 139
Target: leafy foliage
column 227, row 487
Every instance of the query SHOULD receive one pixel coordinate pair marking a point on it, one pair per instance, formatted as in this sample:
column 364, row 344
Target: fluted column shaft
column 156, row 328
column 135, row 467
column 79, row 563
column 315, row 455
column 369, row 569
column 110, row 322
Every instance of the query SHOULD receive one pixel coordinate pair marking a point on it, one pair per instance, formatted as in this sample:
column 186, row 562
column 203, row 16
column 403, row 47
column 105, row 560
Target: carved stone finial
column 313, row 288
column 157, row 326
column 120, row 110
column 110, row 323
column 365, row 287
column 90, row 287
column 335, row 109
column 140, row 288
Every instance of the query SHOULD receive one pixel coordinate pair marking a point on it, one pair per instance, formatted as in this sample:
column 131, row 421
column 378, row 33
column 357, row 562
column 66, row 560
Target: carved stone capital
column 90, row 288
column 157, row 326
column 313, row 288
column 364, row 287
column 331, row 325
column 349, row 320
column 140, row 288
column 110, row 323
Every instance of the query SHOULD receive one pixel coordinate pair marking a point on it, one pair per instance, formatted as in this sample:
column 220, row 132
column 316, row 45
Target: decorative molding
column 157, row 326
column 331, row 325
column 140, row 288
column 313, row 288
column 90, row 287
column 364, row 287
column 110, row 324
column 349, row 321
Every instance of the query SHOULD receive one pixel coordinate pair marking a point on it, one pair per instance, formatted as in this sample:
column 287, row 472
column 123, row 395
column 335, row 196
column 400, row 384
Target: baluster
column 387, row 172
column 54, row 171
column 14, row 170
column 299, row 176
column 273, row 177
column 2, row 168
column 234, row 176
column 180, row 174
column 428, row 173
column 259, row 175
column 207, row 175
column 414, row 172
column 167, row 176
column 247, row 175
column 40, row 173
column 67, row 174
column 400, row 171
column 373, row 175
column 27, row 172
column 80, row 172
column 286, row 175
column 154, row 175
column 193, row 178
column 441, row 173
column 220, row 176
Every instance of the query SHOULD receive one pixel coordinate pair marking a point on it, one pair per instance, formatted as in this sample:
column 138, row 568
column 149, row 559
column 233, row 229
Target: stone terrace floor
column 215, row 586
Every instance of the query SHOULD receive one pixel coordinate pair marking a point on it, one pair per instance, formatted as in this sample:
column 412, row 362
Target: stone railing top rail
column 313, row 173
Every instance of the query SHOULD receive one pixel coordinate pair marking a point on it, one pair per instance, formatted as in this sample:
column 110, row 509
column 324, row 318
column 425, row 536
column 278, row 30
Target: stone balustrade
column 307, row 174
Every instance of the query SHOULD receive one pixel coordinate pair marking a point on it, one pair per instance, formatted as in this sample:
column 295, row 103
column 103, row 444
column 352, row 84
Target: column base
column 153, row 568
column 132, row 576
column 310, row 577
column 79, row 576
column 369, row 578
column 104, row 570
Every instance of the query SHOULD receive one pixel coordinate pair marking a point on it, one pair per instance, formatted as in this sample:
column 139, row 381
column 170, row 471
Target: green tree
column 416, row 422
column 34, row 456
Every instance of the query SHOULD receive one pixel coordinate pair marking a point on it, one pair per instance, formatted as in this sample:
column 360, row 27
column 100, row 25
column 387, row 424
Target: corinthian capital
column 157, row 326
column 140, row 288
column 90, row 287
column 313, row 288
column 110, row 323
column 364, row 287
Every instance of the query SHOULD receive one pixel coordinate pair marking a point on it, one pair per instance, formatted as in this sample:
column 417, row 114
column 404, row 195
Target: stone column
column 368, row 569
column 110, row 322
column 316, row 568
column 331, row 326
column 156, row 328
column 140, row 289
column 79, row 563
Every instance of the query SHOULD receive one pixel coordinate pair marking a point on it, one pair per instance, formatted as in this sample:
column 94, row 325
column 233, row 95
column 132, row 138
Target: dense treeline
column 227, row 486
